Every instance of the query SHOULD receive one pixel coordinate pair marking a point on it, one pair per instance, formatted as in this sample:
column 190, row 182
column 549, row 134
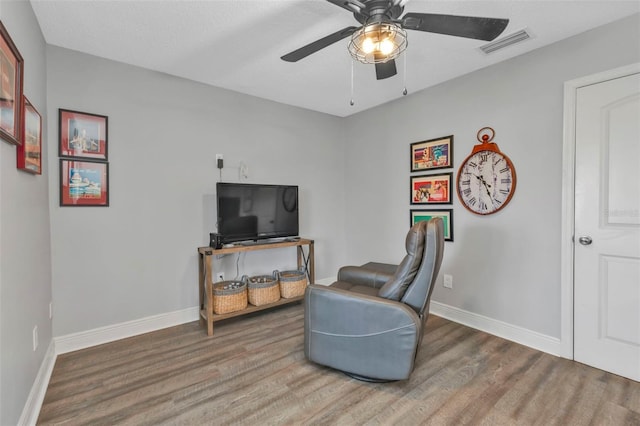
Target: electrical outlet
column 219, row 157
column 220, row 276
column 448, row 281
column 50, row 310
column 35, row 338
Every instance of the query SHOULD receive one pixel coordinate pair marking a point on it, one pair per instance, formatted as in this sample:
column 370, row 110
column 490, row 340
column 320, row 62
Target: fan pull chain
column 351, row 102
column 404, row 75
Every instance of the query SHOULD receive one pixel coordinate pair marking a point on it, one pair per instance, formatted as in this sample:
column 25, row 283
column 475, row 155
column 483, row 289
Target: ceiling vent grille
column 511, row 39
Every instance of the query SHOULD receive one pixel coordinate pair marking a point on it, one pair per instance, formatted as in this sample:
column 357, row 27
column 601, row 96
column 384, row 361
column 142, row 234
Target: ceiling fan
column 381, row 37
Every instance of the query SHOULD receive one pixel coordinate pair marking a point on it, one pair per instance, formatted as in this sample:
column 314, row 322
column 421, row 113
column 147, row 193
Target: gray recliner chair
column 369, row 323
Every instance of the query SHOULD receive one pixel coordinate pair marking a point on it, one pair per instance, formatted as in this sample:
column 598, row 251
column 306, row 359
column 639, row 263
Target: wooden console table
column 206, row 274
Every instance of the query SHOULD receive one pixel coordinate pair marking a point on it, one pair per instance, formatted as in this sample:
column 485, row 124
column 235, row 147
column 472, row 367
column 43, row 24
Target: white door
column 607, row 226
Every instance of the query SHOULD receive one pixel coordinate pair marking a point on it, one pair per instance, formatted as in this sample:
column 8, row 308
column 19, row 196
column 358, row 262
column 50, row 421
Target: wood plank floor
column 253, row 371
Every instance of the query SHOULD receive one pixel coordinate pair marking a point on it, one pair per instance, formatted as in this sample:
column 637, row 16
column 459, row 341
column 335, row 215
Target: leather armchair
column 369, row 323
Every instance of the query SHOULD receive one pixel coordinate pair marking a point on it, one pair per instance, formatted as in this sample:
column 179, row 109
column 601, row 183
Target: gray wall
column 25, row 264
column 138, row 257
column 505, row 266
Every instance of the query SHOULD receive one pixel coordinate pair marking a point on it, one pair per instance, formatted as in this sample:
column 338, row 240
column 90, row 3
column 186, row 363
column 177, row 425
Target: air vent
column 503, row 42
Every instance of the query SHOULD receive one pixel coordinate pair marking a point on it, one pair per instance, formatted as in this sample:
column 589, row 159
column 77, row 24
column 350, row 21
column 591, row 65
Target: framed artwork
column 82, row 135
column 11, row 77
column 426, row 214
column 432, row 154
column 29, row 154
column 84, row 183
column 431, row 189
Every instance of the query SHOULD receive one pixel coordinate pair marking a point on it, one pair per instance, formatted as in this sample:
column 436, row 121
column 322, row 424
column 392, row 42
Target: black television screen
column 254, row 211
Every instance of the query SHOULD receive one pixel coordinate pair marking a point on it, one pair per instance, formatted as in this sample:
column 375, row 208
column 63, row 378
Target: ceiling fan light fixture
column 386, row 47
column 368, row 45
column 378, row 42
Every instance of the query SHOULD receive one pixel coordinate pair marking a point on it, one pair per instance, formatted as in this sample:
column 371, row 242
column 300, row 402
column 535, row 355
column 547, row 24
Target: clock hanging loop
column 485, row 137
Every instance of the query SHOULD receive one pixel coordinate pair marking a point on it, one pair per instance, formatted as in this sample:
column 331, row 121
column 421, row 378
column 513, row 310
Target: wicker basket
column 229, row 296
column 292, row 283
column 263, row 289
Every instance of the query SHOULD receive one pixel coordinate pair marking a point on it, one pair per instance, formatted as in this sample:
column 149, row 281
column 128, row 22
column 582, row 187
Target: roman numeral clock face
column 486, row 182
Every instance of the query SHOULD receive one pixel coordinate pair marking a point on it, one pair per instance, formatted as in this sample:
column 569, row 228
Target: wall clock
column 486, row 178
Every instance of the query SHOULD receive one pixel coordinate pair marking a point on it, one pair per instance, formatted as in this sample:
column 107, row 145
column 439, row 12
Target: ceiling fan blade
column 386, row 69
column 310, row 48
column 461, row 26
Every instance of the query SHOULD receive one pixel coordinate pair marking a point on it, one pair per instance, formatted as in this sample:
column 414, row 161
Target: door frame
column 567, row 260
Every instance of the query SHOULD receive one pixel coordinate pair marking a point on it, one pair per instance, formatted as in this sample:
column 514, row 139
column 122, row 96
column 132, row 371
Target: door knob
column 585, row 241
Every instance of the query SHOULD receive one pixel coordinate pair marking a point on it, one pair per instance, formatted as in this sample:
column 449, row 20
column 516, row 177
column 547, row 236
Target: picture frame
column 431, row 189
column 417, row 215
column 432, row 154
column 29, row 153
column 84, row 183
column 83, row 135
column 11, row 84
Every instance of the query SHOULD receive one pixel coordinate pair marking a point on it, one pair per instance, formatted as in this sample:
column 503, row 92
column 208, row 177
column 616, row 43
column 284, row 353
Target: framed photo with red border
column 431, row 189
column 84, row 183
column 11, row 78
column 29, row 154
column 82, row 135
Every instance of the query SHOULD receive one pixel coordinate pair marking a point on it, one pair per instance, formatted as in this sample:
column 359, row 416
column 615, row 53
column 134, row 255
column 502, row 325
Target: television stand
column 206, row 257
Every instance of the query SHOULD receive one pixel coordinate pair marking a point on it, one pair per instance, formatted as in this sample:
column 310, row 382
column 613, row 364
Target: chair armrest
column 361, row 334
column 363, row 275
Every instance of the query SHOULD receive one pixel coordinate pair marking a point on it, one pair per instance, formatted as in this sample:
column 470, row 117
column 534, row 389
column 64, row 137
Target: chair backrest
column 413, row 281
column 406, row 271
column 418, row 294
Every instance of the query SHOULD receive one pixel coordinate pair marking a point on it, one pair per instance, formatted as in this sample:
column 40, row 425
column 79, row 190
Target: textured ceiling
column 237, row 44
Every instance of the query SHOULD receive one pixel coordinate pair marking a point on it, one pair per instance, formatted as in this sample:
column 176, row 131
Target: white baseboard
column 533, row 339
column 110, row 333
column 32, row 407
column 98, row 336
column 523, row 336
column 326, row 281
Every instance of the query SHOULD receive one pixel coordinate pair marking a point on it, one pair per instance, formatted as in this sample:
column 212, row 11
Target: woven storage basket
column 263, row 289
column 229, row 296
column 292, row 283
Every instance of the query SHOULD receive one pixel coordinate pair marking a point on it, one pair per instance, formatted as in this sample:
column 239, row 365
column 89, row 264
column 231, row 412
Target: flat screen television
column 249, row 212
